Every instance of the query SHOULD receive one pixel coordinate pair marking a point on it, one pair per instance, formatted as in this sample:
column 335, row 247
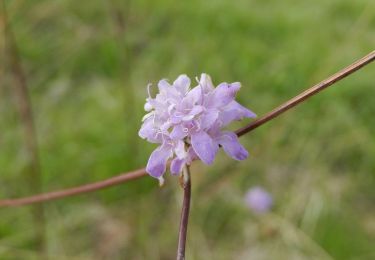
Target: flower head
column 258, row 199
column 187, row 123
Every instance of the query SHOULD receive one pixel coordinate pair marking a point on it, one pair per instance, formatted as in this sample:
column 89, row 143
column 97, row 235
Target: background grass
column 87, row 65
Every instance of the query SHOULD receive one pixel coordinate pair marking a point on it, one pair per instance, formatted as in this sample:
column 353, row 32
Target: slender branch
column 33, row 173
column 308, row 93
column 255, row 124
column 125, row 177
column 186, row 184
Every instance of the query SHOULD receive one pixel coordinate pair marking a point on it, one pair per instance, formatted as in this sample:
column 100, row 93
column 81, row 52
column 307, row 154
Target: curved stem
column 186, row 184
column 33, row 172
column 125, row 177
column 240, row 132
column 308, row 93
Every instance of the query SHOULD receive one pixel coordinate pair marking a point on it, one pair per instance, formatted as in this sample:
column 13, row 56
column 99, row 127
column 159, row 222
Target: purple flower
column 187, row 123
column 259, row 200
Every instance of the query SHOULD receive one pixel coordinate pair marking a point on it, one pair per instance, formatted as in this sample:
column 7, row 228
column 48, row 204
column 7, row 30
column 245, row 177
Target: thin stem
column 124, row 177
column 186, row 184
column 33, row 173
column 308, row 93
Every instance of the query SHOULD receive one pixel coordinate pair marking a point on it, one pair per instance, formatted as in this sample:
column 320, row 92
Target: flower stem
column 137, row 174
column 184, row 213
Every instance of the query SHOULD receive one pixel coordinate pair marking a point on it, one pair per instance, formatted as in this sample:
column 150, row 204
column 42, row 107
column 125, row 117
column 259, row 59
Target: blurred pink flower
column 259, row 200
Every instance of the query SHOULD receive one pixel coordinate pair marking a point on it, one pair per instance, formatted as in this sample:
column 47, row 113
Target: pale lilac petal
column 182, row 84
column 191, row 155
column 164, row 127
column 171, row 107
column 175, row 119
column 163, row 86
column 235, row 86
column 192, row 113
column 148, row 107
column 196, row 110
column 167, row 93
column 152, row 102
column 147, row 116
column 204, row 146
column 223, row 95
column 179, row 132
column 206, row 83
column 209, row 118
column 230, row 144
column 157, row 163
column 194, row 95
column 234, row 111
column 187, row 118
column 226, row 117
column 177, row 165
column 148, row 131
column 242, row 111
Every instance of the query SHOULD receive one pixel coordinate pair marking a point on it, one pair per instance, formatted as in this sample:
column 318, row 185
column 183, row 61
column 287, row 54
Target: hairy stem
column 186, row 184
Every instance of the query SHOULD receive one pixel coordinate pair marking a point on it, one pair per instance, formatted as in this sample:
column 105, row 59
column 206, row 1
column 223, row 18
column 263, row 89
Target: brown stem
column 141, row 172
column 308, row 93
column 186, row 181
column 20, row 89
column 125, row 177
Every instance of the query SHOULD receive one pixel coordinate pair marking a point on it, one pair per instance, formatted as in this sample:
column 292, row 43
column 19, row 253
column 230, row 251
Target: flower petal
column 230, row 144
column 206, row 83
column 176, row 166
column 148, row 131
column 196, row 110
column 234, row 111
column 163, row 86
column 157, row 163
column 164, row 127
column 194, row 95
column 187, row 118
column 191, row 155
column 223, row 95
column 209, row 118
column 148, row 107
column 204, row 146
column 182, row 84
column 235, row 86
column 179, row 132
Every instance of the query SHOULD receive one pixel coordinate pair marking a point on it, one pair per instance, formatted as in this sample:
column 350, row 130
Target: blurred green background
column 87, row 65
